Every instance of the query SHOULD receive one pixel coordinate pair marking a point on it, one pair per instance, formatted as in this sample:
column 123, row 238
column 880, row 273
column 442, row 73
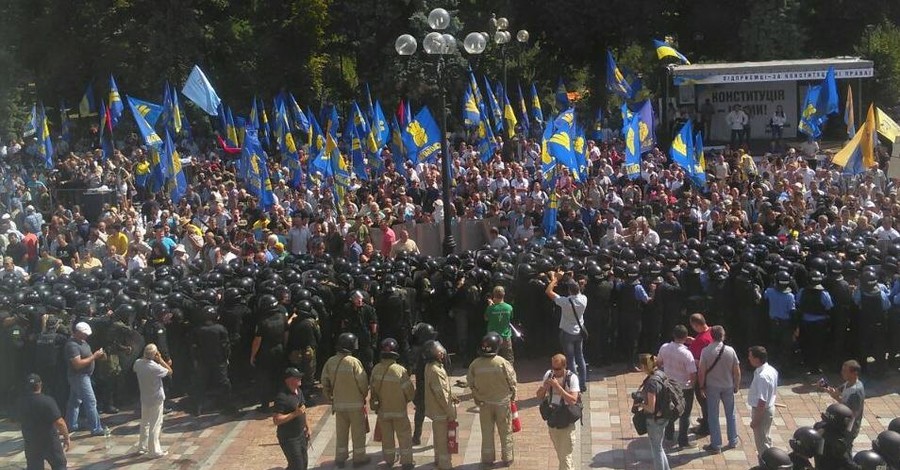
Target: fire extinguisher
column 452, row 442
column 516, row 422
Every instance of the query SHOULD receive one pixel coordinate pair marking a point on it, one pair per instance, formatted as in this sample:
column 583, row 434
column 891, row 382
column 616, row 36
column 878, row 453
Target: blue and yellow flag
column 340, row 171
column 664, row 49
column 357, row 154
column 644, row 115
column 562, row 95
column 316, row 136
column 633, row 149
column 551, row 212
column 821, row 101
column 151, row 138
column 88, row 103
column 471, row 113
column 258, row 182
column 263, row 130
column 380, row 130
column 116, row 107
column 849, row 118
column 171, row 112
column 484, row 138
column 287, row 145
column 159, row 168
column 45, row 142
column 363, row 129
column 476, row 92
column 523, row 109
column 332, row 121
column 496, row 112
column 509, row 116
column 859, row 153
column 536, row 112
column 301, row 122
column 177, row 181
column 598, row 125
column 615, row 80
column 697, row 172
column 579, row 148
column 397, row 147
column 149, row 111
column 231, row 129
column 682, row 150
column 560, row 144
column 423, row 138
column 33, row 122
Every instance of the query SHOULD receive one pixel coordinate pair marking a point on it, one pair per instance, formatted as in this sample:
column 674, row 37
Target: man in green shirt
column 498, row 316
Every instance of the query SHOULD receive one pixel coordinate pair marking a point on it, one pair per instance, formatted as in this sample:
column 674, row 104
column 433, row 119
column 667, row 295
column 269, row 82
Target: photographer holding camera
column 560, row 388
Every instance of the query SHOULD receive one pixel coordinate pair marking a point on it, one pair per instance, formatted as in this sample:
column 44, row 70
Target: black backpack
column 670, row 399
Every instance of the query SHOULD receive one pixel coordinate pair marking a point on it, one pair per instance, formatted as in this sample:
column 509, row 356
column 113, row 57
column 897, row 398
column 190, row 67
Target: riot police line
column 227, row 326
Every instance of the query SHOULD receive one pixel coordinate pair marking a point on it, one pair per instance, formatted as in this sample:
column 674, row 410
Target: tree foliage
column 882, row 45
column 325, row 50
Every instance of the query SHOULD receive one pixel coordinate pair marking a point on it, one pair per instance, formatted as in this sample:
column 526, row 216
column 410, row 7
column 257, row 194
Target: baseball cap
column 292, row 373
column 84, row 328
column 33, row 379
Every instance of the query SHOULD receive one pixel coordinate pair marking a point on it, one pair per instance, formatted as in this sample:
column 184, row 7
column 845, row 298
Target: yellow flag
column 863, row 142
column 887, row 126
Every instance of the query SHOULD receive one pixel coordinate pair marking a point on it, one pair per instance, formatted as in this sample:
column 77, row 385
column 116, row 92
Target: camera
column 638, row 397
column 823, row 382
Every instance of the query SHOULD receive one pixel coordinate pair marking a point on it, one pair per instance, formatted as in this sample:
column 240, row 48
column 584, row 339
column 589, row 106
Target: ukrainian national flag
column 471, row 113
column 859, row 153
column 397, row 147
column 664, row 49
column 230, row 128
column 510, row 116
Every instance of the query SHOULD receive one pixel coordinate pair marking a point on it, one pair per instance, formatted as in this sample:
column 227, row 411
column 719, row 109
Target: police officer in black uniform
column 806, row 444
column 887, row 445
column 211, row 350
column 303, row 344
column 873, row 302
column 841, row 295
column 360, row 319
column 393, row 312
column 267, row 350
column 814, row 305
column 598, row 290
column 835, row 431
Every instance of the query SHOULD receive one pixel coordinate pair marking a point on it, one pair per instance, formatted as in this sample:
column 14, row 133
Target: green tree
column 773, row 31
column 882, row 46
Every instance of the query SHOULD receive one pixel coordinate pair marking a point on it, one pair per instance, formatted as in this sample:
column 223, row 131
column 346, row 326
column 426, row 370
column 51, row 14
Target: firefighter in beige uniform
column 493, row 383
column 344, row 382
column 392, row 390
column 440, row 404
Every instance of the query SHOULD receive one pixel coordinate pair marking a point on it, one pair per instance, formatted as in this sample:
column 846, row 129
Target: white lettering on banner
column 758, row 100
column 777, row 76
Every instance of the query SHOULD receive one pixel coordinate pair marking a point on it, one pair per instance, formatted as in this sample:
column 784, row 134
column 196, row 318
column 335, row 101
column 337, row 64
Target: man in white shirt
column 678, row 363
column 571, row 319
column 298, row 236
column 761, row 398
column 886, row 231
column 497, row 241
column 150, row 370
column 736, row 121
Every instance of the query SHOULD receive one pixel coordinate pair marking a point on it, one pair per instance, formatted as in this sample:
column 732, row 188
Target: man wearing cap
column 42, row 425
column 290, row 418
column 81, row 366
column 150, row 370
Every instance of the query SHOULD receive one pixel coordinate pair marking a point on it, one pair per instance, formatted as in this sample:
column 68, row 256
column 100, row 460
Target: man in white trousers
column 150, row 370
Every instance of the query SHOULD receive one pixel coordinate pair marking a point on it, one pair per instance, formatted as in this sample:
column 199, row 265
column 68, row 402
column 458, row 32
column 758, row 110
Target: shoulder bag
column 583, row 331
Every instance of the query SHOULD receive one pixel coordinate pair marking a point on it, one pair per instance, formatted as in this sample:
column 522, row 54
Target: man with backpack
column 719, row 377
column 678, row 363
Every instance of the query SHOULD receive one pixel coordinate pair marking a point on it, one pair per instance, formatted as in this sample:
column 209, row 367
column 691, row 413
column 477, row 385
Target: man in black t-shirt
column 290, row 417
column 42, row 424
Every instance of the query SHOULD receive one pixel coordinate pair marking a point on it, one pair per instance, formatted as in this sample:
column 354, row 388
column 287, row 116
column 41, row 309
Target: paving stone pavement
column 606, row 439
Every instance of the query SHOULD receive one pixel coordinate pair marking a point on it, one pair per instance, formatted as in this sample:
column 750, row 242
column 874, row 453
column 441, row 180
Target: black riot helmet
column 894, row 425
column 807, row 442
column 348, row 343
column 775, row 459
column 887, row 444
column 389, row 349
column 869, row 460
column 490, row 345
column 424, row 332
column 783, row 281
column 838, row 415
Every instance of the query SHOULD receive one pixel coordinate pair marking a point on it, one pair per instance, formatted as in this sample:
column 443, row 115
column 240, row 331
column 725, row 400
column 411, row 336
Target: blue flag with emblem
column 579, row 148
column 484, row 138
column 821, row 101
column 357, row 153
column 559, row 146
column 697, row 173
column 340, row 171
column 177, row 181
column 151, row 138
column 643, row 113
column 496, row 112
column 301, row 122
column 380, row 130
column 549, row 170
column 287, row 146
column 150, row 111
column 682, row 150
column 633, row 148
column 423, row 139
column 116, row 107
column 471, row 113
column 615, row 80
column 362, row 128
